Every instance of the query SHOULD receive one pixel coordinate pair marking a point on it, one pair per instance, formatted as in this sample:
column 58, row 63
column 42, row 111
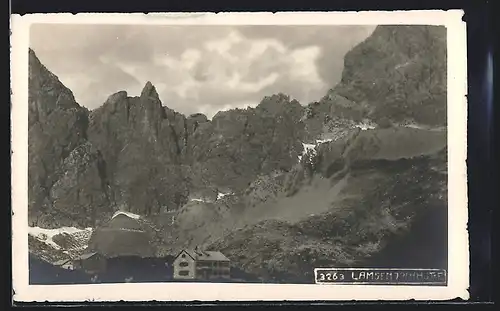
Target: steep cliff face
column 138, row 155
column 57, row 128
column 238, row 145
column 398, row 73
column 143, row 145
column 81, row 194
column 155, row 156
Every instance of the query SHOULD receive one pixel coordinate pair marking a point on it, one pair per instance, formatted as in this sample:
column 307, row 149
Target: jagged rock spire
column 149, row 91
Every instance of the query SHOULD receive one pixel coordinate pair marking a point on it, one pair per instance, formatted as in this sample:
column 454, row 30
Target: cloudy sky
column 196, row 68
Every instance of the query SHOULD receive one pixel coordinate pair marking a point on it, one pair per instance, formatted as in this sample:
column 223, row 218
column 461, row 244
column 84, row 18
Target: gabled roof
column 189, row 252
column 212, row 255
column 204, row 255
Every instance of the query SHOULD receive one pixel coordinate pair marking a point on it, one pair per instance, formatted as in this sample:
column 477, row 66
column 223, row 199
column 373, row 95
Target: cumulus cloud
column 196, row 69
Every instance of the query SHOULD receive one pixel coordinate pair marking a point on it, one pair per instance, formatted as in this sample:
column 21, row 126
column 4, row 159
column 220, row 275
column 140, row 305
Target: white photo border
column 458, row 245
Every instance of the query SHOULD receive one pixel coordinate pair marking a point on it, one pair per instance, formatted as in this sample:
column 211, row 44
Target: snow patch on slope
column 46, row 235
column 128, row 214
column 428, row 128
column 414, row 125
column 220, row 195
column 365, row 126
column 198, row 200
column 307, row 147
column 322, row 141
column 312, row 147
column 398, row 66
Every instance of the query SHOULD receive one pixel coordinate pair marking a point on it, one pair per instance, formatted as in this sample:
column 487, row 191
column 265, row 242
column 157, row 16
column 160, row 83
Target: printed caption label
column 371, row 276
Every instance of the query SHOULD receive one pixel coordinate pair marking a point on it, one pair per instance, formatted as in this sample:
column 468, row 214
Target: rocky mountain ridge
column 273, row 177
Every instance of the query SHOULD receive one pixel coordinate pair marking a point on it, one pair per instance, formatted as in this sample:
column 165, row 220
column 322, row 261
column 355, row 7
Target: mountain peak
column 149, row 91
column 51, row 93
column 31, row 52
column 33, row 60
column 275, row 99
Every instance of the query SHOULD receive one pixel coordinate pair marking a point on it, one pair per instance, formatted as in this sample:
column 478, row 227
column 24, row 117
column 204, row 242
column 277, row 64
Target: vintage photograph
column 259, row 154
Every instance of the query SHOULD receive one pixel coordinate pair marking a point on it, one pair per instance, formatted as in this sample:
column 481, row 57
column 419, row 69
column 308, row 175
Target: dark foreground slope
column 41, row 272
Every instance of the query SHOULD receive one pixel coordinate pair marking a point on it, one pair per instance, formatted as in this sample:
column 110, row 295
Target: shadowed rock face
column 239, row 144
column 263, row 195
column 57, row 145
column 140, row 144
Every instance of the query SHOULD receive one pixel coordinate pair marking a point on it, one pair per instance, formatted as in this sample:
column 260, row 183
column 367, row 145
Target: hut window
column 183, row 255
column 184, row 264
column 184, row 272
